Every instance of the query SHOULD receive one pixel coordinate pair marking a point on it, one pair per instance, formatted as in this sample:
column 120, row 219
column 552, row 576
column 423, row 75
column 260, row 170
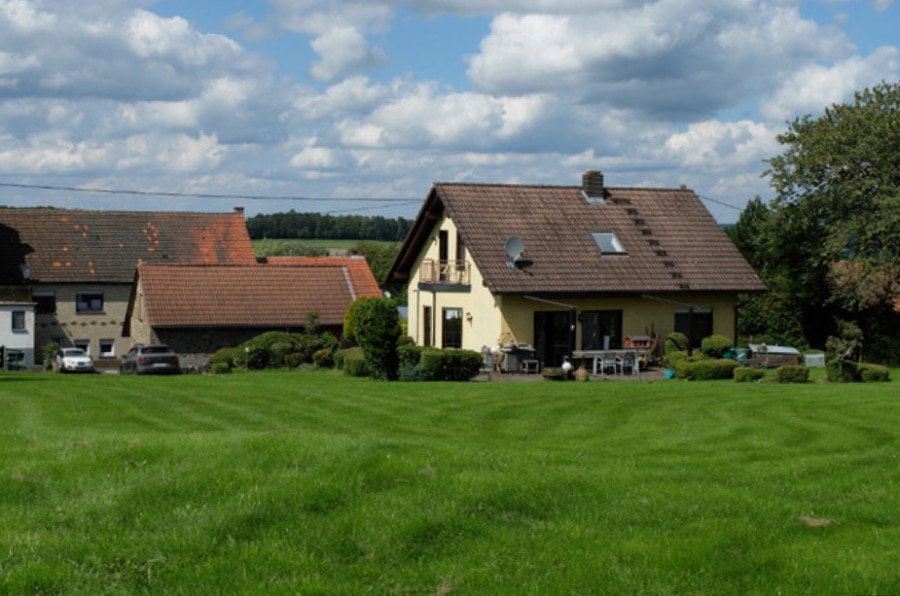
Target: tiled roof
column 363, row 280
column 64, row 245
column 672, row 242
column 243, row 295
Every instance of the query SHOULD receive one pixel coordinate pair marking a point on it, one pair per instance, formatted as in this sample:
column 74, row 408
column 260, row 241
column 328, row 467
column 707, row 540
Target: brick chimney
column 592, row 185
column 239, row 210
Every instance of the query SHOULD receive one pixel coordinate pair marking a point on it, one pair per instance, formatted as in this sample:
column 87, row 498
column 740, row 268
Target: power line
column 722, row 203
column 189, row 195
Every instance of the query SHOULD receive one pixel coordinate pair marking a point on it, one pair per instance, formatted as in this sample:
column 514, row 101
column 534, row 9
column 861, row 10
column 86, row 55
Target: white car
column 73, row 360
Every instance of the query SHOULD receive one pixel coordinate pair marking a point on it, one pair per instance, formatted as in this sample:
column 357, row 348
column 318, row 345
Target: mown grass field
column 314, row 483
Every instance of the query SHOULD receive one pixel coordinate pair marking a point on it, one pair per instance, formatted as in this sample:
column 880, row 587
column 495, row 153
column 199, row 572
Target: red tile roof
column 65, row 245
column 243, row 295
column 672, row 242
column 363, row 280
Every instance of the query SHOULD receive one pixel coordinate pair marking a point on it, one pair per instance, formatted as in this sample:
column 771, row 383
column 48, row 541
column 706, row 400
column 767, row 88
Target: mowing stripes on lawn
column 314, row 483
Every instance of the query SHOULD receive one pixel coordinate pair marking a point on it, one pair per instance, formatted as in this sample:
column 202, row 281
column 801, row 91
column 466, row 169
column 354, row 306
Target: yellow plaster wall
column 483, row 327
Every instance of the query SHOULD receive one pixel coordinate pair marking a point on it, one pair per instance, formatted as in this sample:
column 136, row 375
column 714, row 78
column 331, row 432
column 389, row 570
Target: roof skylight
column 608, row 243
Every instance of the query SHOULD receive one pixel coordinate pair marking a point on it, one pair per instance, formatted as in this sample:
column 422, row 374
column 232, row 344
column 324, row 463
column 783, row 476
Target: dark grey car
column 150, row 360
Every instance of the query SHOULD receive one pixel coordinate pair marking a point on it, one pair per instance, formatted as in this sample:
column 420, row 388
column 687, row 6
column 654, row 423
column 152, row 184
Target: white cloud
column 815, row 87
column 342, row 49
column 717, row 145
column 673, row 59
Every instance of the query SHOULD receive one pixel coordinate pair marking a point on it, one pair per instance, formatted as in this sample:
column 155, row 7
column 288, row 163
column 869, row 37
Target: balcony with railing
column 454, row 274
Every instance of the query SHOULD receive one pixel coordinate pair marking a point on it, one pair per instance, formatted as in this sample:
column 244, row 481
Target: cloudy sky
column 357, row 106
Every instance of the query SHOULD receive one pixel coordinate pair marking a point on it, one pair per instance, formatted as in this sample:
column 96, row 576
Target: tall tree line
column 319, row 226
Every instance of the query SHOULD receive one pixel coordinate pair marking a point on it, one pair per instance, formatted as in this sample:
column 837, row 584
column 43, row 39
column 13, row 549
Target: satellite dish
column 515, row 248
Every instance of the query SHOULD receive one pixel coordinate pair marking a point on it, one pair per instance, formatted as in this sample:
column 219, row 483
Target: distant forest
column 318, row 226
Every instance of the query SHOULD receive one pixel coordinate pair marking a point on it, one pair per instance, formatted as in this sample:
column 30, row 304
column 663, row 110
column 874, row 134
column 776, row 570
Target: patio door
column 601, row 330
column 551, row 336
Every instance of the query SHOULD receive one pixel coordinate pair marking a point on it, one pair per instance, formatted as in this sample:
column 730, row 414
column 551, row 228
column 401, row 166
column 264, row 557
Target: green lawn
column 314, row 483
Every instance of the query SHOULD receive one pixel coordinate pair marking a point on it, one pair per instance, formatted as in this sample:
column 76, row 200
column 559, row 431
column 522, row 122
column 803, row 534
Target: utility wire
column 189, row 195
column 722, row 203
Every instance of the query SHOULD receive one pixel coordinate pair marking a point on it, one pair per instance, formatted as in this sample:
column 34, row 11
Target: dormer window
column 608, row 243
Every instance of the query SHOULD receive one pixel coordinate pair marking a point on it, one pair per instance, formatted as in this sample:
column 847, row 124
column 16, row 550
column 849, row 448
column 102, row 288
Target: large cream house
column 566, row 268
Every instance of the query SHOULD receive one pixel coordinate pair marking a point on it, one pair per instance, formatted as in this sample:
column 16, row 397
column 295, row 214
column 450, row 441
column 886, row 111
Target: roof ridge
column 567, row 186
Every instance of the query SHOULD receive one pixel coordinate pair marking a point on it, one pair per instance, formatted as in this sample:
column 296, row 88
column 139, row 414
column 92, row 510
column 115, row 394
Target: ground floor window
column 18, row 320
column 452, row 328
column 107, row 348
column 601, row 330
column 84, row 344
column 696, row 324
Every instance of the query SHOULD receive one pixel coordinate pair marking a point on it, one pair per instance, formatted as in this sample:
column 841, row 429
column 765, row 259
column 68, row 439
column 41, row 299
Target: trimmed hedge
column 675, row 342
column 873, row 373
column 409, row 355
column 715, row 346
column 450, row 365
column 748, row 375
column 793, row 373
column 706, row 370
column 841, row 371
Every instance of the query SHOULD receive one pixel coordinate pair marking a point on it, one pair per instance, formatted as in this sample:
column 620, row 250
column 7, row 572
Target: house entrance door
column 551, row 336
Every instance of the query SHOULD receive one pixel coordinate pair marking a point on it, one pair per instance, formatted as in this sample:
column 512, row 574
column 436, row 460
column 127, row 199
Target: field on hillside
column 315, row 483
column 272, row 247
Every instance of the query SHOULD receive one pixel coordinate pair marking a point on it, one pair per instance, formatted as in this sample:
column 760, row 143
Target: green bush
column 413, row 374
column 706, row 370
column 348, row 336
column 355, row 364
column 409, row 354
column 841, row 371
column 324, row 358
column 748, row 375
column 674, row 357
column 377, row 326
column 223, row 356
column 293, row 360
column 277, row 352
column 47, row 354
column 339, row 358
column 715, row 346
column 676, row 342
column 873, row 373
column 450, row 365
column 251, row 356
column 794, row 373
column 220, row 368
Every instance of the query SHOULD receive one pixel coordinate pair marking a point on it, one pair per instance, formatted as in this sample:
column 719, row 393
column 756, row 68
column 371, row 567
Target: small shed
column 774, row 356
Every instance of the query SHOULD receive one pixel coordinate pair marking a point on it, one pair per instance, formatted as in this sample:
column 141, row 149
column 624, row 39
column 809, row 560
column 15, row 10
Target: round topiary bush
column 715, row 346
